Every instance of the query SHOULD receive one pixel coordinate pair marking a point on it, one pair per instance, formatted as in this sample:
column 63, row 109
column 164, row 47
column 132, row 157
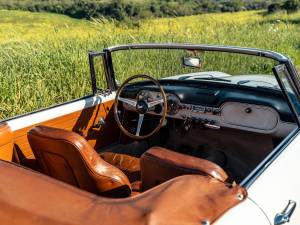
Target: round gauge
column 173, row 103
column 142, row 95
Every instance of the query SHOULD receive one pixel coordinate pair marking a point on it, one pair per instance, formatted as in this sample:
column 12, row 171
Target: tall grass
column 43, row 57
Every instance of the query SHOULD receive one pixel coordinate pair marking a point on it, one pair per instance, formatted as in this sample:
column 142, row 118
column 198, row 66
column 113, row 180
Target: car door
column 274, row 187
column 277, row 189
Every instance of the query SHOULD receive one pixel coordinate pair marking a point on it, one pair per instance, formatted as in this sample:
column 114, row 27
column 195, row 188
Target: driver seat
column 68, row 157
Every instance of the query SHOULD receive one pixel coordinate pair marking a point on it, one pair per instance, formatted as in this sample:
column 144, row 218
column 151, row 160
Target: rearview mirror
column 191, row 62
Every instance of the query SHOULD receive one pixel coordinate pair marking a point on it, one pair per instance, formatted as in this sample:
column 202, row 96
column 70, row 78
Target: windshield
column 195, row 65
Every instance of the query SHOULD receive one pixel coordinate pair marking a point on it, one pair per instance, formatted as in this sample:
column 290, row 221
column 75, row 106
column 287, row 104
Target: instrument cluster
column 175, row 106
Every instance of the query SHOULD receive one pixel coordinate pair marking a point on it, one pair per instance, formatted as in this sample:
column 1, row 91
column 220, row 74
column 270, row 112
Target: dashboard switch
column 208, row 109
column 216, row 111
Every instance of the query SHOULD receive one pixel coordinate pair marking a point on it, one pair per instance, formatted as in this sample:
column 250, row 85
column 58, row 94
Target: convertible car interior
column 195, row 134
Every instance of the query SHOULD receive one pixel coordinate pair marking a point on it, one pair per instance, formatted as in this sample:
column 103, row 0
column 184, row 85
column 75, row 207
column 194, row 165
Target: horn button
column 141, row 106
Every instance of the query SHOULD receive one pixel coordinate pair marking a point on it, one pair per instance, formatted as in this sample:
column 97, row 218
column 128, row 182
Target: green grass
column 43, row 57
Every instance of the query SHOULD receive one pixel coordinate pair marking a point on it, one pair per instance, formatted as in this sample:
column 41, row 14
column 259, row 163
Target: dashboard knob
column 158, row 109
column 248, row 110
column 216, row 111
column 172, row 104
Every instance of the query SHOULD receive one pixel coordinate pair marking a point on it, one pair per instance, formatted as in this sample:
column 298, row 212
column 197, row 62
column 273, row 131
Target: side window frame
column 282, row 69
column 92, row 56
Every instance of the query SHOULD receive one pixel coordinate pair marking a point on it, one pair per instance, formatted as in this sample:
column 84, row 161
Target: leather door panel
column 6, row 142
column 82, row 122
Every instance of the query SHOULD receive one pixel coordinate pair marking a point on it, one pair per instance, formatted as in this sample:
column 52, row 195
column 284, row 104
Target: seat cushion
column 160, row 164
column 129, row 165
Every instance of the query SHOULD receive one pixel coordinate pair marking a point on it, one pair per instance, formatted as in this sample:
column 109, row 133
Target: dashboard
column 217, row 108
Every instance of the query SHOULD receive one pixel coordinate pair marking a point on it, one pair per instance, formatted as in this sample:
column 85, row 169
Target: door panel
column 81, row 121
column 6, row 142
column 280, row 183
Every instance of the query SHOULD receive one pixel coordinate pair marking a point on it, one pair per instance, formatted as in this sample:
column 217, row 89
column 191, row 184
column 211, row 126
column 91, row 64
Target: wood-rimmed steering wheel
column 141, row 106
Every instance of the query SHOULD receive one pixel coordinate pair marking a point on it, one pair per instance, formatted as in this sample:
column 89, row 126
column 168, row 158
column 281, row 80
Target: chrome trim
column 139, row 125
column 221, row 48
column 285, row 215
column 128, row 101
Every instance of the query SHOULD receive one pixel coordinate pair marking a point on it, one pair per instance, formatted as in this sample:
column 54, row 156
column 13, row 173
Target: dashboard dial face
column 173, row 104
column 173, row 101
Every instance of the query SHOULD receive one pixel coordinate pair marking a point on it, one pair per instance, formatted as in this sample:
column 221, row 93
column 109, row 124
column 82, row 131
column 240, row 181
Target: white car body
column 275, row 184
column 271, row 191
column 267, row 196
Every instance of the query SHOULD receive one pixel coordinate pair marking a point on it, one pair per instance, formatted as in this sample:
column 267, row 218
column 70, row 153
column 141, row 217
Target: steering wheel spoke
column 154, row 103
column 128, row 101
column 139, row 125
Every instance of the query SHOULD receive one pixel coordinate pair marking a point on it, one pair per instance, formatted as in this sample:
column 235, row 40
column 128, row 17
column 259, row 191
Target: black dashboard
column 218, row 105
column 214, row 95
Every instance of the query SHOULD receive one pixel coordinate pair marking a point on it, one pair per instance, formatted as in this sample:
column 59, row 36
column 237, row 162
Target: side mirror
column 191, row 62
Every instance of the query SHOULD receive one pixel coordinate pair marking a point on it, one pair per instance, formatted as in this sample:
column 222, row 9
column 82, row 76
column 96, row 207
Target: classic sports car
column 172, row 134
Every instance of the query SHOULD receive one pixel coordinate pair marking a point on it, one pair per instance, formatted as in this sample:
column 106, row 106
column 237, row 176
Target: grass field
column 43, row 57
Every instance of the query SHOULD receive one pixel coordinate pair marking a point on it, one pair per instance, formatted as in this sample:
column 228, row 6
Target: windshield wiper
column 243, row 82
column 212, row 78
column 268, row 87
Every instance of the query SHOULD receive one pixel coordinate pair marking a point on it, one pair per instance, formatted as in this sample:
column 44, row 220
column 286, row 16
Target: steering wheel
column 141, row 106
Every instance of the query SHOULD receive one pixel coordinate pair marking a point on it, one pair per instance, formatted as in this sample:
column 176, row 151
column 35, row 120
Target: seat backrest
column 160, row 164
column 68, row 157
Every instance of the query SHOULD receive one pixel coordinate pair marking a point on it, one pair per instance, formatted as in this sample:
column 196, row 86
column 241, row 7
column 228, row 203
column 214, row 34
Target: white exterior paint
column 280, row 183
column 48, row 114
column 271, row 192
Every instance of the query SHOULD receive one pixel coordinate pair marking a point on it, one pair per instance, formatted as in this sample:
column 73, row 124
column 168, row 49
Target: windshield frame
column 277, row 57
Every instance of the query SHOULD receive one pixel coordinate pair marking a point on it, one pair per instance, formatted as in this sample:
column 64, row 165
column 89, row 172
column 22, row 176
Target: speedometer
column 173, row 104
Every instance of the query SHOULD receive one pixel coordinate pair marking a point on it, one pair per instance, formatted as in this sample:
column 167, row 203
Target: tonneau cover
column 30, row 198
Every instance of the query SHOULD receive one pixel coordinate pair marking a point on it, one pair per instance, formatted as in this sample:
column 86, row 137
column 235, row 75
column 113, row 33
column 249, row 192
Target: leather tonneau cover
column 27, row 197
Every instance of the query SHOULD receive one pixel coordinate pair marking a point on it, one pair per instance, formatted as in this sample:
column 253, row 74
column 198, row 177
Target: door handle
column 285, row 215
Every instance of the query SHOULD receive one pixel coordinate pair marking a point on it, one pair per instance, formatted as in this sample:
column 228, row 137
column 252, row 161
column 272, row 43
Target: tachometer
column 172, row 104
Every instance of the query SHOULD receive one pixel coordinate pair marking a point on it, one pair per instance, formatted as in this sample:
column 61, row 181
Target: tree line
column 124, row 9
column 289, row 5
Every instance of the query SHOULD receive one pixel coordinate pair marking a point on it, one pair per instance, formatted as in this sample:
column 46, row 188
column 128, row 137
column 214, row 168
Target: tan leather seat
column 160, row 164
column 129, row 165
column 68, row 157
